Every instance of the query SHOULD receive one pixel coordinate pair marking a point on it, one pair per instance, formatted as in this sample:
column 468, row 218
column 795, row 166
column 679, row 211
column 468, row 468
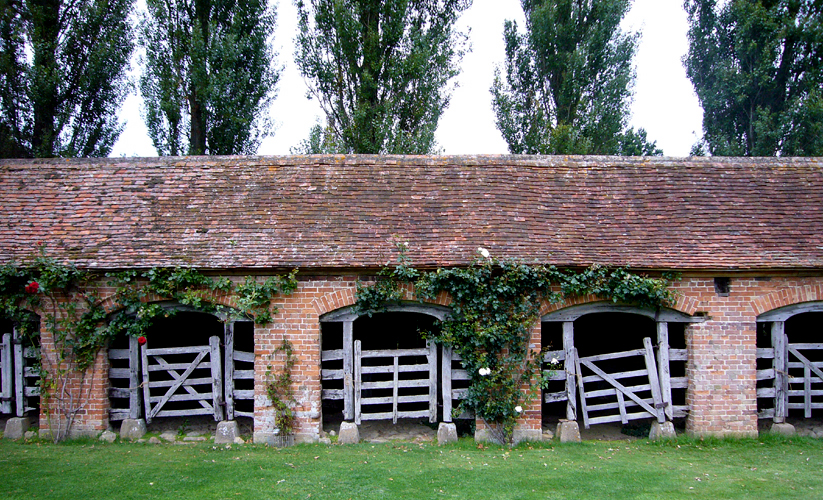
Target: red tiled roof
column 327, row 212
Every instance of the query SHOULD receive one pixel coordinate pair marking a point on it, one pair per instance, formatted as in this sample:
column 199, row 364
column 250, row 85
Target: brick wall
column 721, row 363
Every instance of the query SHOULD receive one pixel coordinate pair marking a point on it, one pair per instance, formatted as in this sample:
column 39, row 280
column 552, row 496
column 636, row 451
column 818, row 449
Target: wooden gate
column 18, row 375
column 6, row 377
column 170, row 375
column 620, row 396
column 395, row 380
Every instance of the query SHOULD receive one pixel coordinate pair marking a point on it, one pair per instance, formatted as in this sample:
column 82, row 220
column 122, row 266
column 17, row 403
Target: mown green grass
column 765, row 468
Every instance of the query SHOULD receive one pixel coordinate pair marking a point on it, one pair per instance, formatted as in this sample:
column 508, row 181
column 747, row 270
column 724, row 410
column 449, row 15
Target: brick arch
column 685, row 305
column 345, row 297
column 215, row 297
column 787, row 297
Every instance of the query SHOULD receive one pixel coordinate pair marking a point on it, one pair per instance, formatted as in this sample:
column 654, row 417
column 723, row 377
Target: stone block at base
column 16, row 427
column 108, row 436
column 568, row 431
column 662, row 431
column 132, row 428
column 226, row 431
column 446, row 433
column 783, row 429
column 349, row 433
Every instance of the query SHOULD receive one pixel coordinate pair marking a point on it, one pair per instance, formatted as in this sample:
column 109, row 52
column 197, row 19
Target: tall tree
column 210, row 75
column 757, row 68
column 568, row 80
column 380, row 70
column 62, row 76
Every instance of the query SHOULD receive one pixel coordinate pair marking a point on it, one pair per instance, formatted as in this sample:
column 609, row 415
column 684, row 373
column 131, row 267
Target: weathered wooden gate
column 620, row 396
column 239, row 366
column 18, row 375
column 395, row 377
column 176, row 377
column 798, row 380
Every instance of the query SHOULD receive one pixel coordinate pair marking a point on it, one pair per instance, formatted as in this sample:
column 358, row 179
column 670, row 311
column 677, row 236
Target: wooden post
column 432, row 357
column 395, row 389
column 781, row 371
column 446, row 370
column 569, row 365
column 5, row 375
column 134, row 378
column 19, row 374
column 654, row 382
column 216, row 378
column 357, row 382
column 228, row 341
column 146, row 393
column 583, row 408
column 664, row 367
column 348, row 383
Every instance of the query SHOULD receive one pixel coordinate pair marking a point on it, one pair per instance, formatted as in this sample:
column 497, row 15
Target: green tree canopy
column 380, row 70
column 62, row 76
column 757, row 68
column 210, row 75
column 567, row 84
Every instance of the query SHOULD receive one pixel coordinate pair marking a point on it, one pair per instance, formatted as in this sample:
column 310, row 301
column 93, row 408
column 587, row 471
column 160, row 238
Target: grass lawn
column 770, row 467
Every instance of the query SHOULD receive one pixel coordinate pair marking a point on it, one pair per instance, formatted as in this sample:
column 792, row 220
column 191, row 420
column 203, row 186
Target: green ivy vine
column 279, row 389
column 495, row 305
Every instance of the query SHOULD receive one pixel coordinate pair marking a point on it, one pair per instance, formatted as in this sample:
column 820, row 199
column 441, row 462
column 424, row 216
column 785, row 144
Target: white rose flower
column 554, row 361
column 484, row 371
column 518, row 409
column 482, row 251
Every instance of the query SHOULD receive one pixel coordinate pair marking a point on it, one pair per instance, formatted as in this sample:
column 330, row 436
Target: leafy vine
column 495, row 305
column 279, row 389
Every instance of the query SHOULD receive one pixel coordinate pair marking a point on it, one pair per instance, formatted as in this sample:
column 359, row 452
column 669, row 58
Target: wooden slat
column 205, row 396
column 390, row 369
column 459, row 393
column 765, row 392
column 799, row 364
column 781, row 383
column 248, row 414
column 217, row 378
column 460, row 374
column 119, row 392
column 616, row 418
column 243, row 394
column 20, row 385
column 403, row 384
column 802, row 406
column 654, row 381
column 432, row 356
column 569, row 367
column 176, row 350
column 400, row 414
column 135, row 401
column 333, row 394
column 245, row 357
column 678, row 354
column 446, row 382
column 581, row 389
column 203, row 365
column 395, row 388
column 555, row 375
column 613, row 355
column 332, row 374
column 118, row 354
column 155, row 384
column 6, row 374
column 389, row 353
column 559, row 355
column 357, row 382
column 765, row 353
column 118, row 373
column 118, row 414
column 243, row 375
column 767, row 413
column 332, row 355
column 228, row 369
column 611, row 391
column 348, row 371
column 619, row 376
column 664, row 368
column 144, row 361
column 680, row 382
column 184, row 413
column 418, row 398
column 806, row 346
column 553, row 397
column 31, row 392
column 767, row 374
column 31, row 372
column 795, row 393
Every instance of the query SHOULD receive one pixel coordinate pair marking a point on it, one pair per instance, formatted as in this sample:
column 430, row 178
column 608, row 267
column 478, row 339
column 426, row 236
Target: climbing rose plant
column 495, row 305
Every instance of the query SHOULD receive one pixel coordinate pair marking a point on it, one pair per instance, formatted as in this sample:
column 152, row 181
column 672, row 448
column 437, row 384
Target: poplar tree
column 210, row 75
column 380, row 70
column 757, row 68
column 62, row 76
column 567, row 82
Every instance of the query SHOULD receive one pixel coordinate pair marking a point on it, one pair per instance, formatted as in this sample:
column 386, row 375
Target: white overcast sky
column 664, row 101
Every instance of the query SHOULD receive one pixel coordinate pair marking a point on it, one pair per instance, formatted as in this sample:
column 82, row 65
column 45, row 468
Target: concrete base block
column 132, row 428
column 446, row 433
column 568, row 431
column 16, row 427
column 662, row 431
column 349, row 433
column 226, row 431
column 783, row 429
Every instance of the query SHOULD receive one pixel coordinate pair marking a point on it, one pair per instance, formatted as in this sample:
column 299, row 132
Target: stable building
column 741, row 344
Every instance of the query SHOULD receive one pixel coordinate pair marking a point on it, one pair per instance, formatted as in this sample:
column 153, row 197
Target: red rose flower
column 32, row 287
column 141, row 340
